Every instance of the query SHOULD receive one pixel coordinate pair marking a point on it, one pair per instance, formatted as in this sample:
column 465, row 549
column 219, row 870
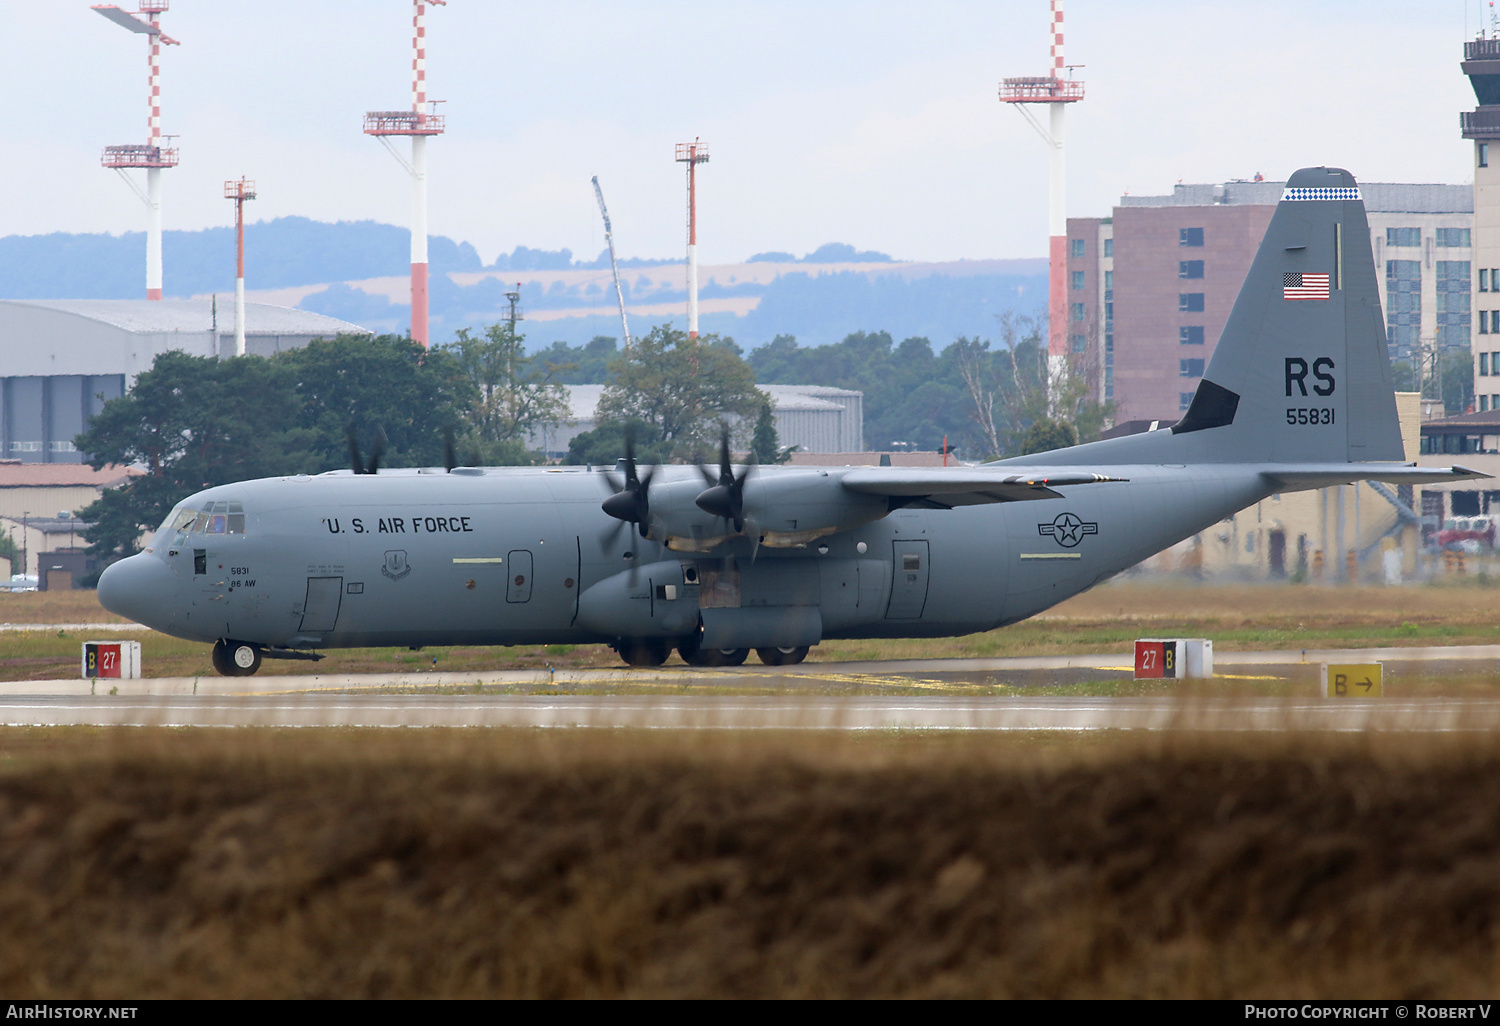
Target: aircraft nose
column 139, row 588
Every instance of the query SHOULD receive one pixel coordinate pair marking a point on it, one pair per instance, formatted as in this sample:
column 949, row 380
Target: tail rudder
column 1301, row 372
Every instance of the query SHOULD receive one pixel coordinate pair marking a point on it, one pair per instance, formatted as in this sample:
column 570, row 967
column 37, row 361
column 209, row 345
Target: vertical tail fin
column 1302, row 373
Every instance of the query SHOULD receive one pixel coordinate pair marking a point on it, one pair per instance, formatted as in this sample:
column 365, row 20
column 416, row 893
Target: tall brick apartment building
column 1150, row 287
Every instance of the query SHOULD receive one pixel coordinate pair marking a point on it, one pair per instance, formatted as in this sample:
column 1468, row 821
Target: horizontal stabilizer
column 1301, row 476
column 968, row 486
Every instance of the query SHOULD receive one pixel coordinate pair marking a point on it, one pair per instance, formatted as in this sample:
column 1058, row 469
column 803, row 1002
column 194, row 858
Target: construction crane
column 614, row 266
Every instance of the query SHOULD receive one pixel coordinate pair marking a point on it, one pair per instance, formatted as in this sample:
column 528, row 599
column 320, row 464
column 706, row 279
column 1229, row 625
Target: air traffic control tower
column 1482, row 124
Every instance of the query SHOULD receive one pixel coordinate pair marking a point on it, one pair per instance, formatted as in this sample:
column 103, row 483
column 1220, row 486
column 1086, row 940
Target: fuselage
column 507, row 556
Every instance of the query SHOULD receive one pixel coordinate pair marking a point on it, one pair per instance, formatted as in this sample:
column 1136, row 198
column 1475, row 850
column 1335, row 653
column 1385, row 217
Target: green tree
column 9, row 550
column 765, row 446
column 1045, row 435
column 514, row 394
column 587, row 364
column 1404, row 375
column 191, row 422
column 682, row 388
column 387, row 383
column 1458, row 381
column 605, row 444
column 982, row 396
column 1034, row 392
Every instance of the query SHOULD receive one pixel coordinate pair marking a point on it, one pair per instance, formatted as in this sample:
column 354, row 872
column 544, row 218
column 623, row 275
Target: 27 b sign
column 1155, row 659
column 111, row 659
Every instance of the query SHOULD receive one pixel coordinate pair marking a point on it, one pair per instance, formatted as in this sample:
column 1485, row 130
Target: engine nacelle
column 653, row 602
column 787, row 510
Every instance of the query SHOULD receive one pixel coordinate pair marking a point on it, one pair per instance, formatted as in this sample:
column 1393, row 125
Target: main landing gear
column 782, row 656
column 236, row 658
column 694, row 655
column 649, row 652
column 644, row 652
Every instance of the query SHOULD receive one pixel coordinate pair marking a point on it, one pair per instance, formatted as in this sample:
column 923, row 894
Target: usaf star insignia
column 1067, row 529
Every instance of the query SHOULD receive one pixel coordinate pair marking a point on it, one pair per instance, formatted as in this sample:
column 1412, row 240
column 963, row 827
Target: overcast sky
column 872, row 122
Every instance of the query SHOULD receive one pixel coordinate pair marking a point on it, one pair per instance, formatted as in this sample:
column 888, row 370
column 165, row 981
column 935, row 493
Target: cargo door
column 321, row 610
column 518, row 586
column 908, row 580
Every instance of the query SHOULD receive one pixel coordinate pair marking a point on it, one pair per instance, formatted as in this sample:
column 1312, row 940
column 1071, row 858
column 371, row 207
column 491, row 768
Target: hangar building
column 62, row 358
column 815, row 418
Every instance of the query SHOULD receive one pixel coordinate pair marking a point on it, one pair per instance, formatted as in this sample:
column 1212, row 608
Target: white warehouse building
column 815, row 418
column 61, row 359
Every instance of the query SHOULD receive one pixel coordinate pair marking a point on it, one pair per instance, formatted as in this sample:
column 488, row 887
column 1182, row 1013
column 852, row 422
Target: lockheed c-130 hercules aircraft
column 1298, row 395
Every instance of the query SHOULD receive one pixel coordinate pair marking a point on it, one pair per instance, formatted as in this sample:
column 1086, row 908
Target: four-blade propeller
column 631, row 501
column 358, row 465
column 450, row 455
column 725, row 496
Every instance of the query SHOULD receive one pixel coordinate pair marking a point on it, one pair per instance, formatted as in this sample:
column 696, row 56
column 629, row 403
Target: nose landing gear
column 236, row 658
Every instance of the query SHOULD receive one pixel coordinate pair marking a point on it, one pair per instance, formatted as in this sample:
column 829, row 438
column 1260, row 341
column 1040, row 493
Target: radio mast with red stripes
column 239, row 191
column 692, row 154
column 418, row 123
column 153, row 156
column 1057, row 91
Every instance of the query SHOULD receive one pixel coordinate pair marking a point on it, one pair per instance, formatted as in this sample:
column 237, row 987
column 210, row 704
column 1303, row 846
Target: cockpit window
column 213, row 518
column 180, row 520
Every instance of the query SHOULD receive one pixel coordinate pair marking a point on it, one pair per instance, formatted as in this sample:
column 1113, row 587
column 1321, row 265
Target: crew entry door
column 908, row 580
column 321, row 610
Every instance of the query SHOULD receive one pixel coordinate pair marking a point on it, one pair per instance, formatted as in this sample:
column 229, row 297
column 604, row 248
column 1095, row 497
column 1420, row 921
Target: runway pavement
column 946, row 697
column 790, row 712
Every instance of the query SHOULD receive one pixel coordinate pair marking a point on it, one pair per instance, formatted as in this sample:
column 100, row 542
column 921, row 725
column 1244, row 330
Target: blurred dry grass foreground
column 152, row 863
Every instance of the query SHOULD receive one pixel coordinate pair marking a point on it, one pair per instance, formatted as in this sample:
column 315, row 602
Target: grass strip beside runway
column 350, row 863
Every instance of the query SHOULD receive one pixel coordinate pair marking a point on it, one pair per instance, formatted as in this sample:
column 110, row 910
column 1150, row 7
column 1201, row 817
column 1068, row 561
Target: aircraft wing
column 969, row 486
column 1300, row 476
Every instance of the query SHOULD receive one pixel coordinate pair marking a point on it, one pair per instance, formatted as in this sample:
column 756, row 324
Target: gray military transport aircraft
column 1298, row 395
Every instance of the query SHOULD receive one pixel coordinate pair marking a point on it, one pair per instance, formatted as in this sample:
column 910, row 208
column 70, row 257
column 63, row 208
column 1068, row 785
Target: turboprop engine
column 789, row 510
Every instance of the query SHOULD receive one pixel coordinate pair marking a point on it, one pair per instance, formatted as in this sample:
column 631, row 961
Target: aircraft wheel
column 236, row 658
column 782, row 656
column 700, row 656
column 713, row 656
column 644, row 651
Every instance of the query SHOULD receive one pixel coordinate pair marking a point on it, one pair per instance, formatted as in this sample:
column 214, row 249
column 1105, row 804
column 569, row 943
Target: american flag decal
column 1301, row 285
